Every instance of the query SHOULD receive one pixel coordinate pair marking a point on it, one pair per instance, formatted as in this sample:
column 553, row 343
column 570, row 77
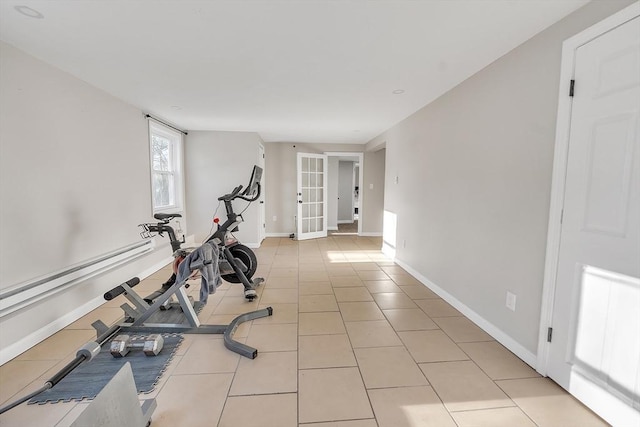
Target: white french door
column 311, row 196
column 595, row 347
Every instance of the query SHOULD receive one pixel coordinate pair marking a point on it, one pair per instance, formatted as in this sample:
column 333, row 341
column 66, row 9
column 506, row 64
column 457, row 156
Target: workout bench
column 137, row 318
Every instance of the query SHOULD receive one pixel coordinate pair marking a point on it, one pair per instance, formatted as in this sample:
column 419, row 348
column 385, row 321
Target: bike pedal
column 250, row 294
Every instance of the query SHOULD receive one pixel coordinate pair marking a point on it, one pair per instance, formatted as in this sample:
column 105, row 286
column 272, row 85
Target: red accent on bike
column 176, row 263
column 216, row 220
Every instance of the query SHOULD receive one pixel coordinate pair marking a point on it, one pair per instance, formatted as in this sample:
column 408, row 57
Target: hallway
column 345, row 229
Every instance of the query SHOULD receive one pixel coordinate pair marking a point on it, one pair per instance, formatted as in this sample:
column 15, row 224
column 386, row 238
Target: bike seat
column 163, row 216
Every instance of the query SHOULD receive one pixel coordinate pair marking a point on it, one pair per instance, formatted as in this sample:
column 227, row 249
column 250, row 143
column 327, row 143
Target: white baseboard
column 278, row 234
column 515, row 347
column 389, row 251
column 19, row 347
column 370, row 234
column 332, row 228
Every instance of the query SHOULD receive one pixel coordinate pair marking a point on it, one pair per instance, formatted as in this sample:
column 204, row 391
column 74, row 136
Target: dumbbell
column 122, row 344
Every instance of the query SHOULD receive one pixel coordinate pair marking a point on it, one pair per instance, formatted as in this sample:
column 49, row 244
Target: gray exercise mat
column 86, row 381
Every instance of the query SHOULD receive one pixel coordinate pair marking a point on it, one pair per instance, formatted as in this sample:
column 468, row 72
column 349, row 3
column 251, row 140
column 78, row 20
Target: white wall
column 74, row 184
column 474, row 176
column 345, row 192
column 372, row 192
column 332, row 194
column 216, row 163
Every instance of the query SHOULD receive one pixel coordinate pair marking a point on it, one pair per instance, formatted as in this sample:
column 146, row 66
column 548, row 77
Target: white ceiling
column 298, row 71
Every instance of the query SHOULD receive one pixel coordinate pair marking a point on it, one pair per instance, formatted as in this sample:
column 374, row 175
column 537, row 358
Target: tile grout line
column 364, row 385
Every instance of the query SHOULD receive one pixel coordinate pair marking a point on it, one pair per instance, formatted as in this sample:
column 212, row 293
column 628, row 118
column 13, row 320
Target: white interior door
column 312, row 190
column 595, row 348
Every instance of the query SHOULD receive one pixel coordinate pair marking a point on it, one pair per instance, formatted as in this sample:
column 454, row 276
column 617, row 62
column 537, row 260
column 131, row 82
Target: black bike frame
column 162, row 228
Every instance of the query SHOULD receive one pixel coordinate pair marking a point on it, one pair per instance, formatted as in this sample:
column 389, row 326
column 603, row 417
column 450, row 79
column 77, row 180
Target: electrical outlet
column 370, row 186
column 395, row 179
column 404, row 243
column 275, row 218
column 511, row 301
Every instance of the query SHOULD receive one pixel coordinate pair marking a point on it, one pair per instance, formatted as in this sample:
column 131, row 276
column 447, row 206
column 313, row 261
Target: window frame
column 175, row 167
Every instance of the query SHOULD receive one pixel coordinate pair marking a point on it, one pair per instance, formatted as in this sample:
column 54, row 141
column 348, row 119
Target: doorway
column 344, row 198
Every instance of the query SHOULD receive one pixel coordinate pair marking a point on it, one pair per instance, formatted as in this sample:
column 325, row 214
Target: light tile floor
column 354, row 341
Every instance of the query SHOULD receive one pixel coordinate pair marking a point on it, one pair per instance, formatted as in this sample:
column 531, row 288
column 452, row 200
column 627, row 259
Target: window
column 166, row 171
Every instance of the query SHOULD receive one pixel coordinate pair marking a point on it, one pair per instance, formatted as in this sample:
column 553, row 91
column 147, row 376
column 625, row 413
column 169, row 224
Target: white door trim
column 361, row 196
column 262, row 218
column 567, row 69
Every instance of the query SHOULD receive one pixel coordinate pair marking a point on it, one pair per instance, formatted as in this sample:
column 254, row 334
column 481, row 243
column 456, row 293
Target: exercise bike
column 237, row 263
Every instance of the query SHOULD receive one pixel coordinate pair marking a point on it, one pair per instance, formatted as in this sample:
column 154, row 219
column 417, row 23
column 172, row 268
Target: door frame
column 360, row 156
column 262, row 230
column 560, row 159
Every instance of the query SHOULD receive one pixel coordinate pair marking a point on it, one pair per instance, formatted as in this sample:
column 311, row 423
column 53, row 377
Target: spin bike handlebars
column 163, row 227
column 229, row 197
column 254, row 198
column 235, row 194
